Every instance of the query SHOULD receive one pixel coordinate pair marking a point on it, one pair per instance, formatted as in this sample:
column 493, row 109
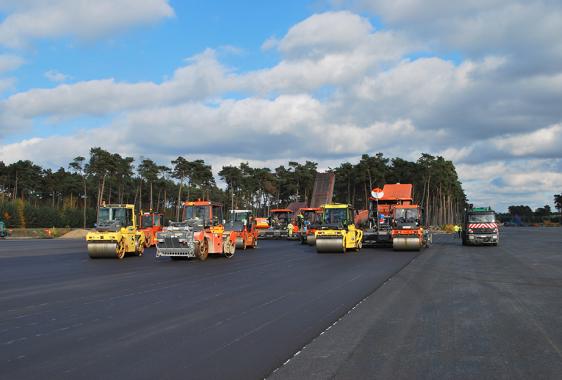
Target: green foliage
column 436, row 184
column 59, row 197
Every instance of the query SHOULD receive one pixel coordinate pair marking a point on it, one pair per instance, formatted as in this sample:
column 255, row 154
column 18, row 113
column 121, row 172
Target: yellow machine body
column 337, row 233
column 116, row 234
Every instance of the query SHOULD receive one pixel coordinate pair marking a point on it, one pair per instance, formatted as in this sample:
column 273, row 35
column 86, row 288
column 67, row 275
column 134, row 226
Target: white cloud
column 10, row 62
column 325, row 33
column 202, row 77
column 544, row 142
column 56, row 76
column 340, row 88
column 83, row 19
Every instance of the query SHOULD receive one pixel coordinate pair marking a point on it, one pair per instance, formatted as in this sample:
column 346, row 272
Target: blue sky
column 345, row 77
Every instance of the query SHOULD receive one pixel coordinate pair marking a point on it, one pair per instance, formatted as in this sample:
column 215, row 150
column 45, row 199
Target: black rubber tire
column 203, row 251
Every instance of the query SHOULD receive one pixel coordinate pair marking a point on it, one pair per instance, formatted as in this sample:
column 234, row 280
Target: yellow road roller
column 116, row 233
column 337, row 233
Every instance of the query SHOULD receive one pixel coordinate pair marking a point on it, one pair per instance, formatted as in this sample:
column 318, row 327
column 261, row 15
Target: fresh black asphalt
column 453, row 313
column 64, row 315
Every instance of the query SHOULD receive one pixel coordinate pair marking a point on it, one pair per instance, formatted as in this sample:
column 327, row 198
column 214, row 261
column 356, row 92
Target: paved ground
column 454, row 313
column 63, row 315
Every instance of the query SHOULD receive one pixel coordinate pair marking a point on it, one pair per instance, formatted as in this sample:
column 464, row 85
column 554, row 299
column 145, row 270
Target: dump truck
column 337, row 232
column 243, row 224
column 408, row 233
column 116, row 233
column 151, row 224
column 307, row 219
column 278, row 222
column 200, row 233
column 377, row 227
column 480, row 227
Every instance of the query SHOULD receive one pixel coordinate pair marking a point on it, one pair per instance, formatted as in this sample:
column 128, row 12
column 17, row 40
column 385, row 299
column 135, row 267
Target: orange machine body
column 306, row 226
column 377, row 221
column 211, row 233
column 151, row 223
column 243, row 224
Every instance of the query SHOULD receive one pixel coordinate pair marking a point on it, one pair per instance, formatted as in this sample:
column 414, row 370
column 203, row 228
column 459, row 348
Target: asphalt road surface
column 454, row 313
column 63, row 315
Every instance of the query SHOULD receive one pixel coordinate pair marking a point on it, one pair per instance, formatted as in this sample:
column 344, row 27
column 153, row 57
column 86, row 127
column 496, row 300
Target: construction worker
column 290, row 229
column 457, row 230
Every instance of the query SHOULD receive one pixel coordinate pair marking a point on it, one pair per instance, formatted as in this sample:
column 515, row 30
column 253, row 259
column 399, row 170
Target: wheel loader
column 200, row 233
column 408, row 233
column 337, row 233
column 116, row 233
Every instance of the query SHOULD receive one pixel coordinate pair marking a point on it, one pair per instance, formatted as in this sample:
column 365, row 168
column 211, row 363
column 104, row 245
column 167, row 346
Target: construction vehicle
column 262, row 223
column 200, row 233
column 116, row 233
column 278, row 222
column 243, row 224
column 307, row 219
column 3, row 231
column 408, row 233
column 377, row 221
column 480, row 226
column 151, row 224
column 337, row 232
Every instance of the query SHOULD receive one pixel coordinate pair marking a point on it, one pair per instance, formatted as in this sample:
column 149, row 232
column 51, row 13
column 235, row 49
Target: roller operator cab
column 200, row 233
column 116, row 233
column 408, row 233
column 480, row 227
column 243, row 224
column 337, row 232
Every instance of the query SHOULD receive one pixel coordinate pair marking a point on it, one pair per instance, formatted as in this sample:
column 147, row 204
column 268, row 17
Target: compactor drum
column 407, row 231
column 200, row 234
column 116, row 233
column 337, row 233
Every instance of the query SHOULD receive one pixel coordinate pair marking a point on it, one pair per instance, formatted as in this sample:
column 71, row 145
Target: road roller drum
column 311, row 240
column 330, row 245
column 240, row 243
column 406, row 244
column 98, row 250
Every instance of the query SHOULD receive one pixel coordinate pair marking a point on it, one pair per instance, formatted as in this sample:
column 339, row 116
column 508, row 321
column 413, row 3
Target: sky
column 478, row 82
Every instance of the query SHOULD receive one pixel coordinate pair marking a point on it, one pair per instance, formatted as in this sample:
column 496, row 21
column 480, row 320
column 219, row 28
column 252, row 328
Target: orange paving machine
column 200, row 233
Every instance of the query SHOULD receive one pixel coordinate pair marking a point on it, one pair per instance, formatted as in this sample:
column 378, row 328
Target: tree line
column 523, row 214
column 32, row 196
